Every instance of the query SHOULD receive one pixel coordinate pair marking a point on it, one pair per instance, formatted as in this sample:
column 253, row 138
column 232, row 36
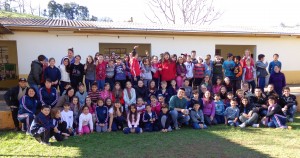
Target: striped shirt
column 199, row 70
column 94, row 96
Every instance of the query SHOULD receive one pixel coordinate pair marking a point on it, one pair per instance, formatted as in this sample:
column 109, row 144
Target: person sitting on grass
column 41, row 126
column 85, row 125
column 220, row 108
column 178, row 109
column 67, row 116
column 62, row 131
column 289, row 103
column 101, row 114
column 275, row 117
column 149, row 119
column 165, row 119
column 197, row 118
column 133, row 119
column 231, row 114
column 116, row 118
column 248, row 116
column 209, row 109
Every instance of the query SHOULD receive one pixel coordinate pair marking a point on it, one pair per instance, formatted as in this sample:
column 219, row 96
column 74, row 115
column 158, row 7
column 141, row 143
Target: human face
column 180, row 60
column 152, row 84
column 128, row 85
column 240, row 94
column 155, row 60
column 75, row 101
column 107, row 87
column 71, row 93
column 200, row 60
column 77, row 59
column 88, row 101
column 248, row 63
column 100, row 103
column 245, row 101
column 52, row 62
column 227, row 80
column 94, row 88
column 196, row 107
column 117, row 105
column 270, row 88
column 148, row 109
column 206, row 79
column 166, row 56
column 31, row 93
column 108, row 102
column 233, row 103
column 188, row 59
column 132, row 109
column 173, row 83
column 100, row 58
column 66, row 62
column 86, row 110
column 58, row 115
column 163, row 86
column 271, row 102
column 140, row 83
column 186, row 83
column 81, row 88
column 46, row 111
column 153, row 100
column 180, row 93
column 48, row 84
column 164, row 110
column 275, row 57
column 66, row 107
column 117, row 86
column 193, row 54
column 207, row 94
column 230, row 96
column 247, row 53
column 257, row 92
column 161, row 99
column 276, row 69
column 140, row 101
column 223, row 90
column 22, row 84
column 196, row 95
column 286, row 92
column 219, row 81
column 89, row 59
column 70, row 54
column 217, row 97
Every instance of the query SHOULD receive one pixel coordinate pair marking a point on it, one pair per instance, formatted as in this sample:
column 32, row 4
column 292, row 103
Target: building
column 22, row 40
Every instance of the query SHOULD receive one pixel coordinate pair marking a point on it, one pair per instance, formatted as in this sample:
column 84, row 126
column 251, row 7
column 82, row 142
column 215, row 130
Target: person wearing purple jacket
column 181, row 72
column 209, row 109
column 277, row 78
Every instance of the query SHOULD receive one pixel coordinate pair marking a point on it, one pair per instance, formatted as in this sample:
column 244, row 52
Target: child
column 149, row 119
column 140, row 105
column 217, row 69
column 275, row 117
column 90, row 72
column 52, row 73
column 86, row 125
column 65, row 75
column 249, row 75
column 189, row 70
column 161, row 99
column 248, row 115
column 188, row 89
column 106, row 93
column 271, row 92
column 108, row 103
column 91, row 106
column 133, row 119
column 154, row 69
column 155, row 105
column 197, row 117
column 141, row 90
column 209, row 109
column 228, row 84
column 274, row 63
column 246, row 90
column 115, row 117
column 146, row 71
column 117, row 93
column 199, row 72
column 48, row 94
column 120, row 72
column 110, row 72
column 223, row 93
column 129, row 95
column 238, row 72
column 163, row 91
column 68, row 117
column 239, row 95
column 206, row 81
column 61, row 126
column 67, row 86
column 76, row 108
column 165, row 119
column 40, row 128
column 152, row 90
column 172, row 90
column 289, row 103
column 194, row 99
column 181, row 72
column 81, row 94
column 231, row 114
column 100, row 72
column 261, row 69
column 101, row 116
column 135, row 69
column 94, row 93
column 230, row 96
column 220, row 108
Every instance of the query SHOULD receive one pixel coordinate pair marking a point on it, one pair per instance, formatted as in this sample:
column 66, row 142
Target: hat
column 22, row 80
column 229, row 55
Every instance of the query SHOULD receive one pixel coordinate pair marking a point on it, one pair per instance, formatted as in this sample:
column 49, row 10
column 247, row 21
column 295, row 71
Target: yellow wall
column 141, row 50
column 235, row 49
column 292, row 77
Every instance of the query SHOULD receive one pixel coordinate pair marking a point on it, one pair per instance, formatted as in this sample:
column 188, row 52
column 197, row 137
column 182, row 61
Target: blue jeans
column 262, row 83
column 117, row 122
column 220, row 119
column 291, row 111
column 88, row 84
column 101, row 84
column 277, row 121
column 36, row 88
column 178, row 116
column 231, row 123
column 127, row 130
column 197, row 126
column 252, row 84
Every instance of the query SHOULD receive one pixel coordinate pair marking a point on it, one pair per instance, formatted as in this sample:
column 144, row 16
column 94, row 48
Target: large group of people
column 150, row 93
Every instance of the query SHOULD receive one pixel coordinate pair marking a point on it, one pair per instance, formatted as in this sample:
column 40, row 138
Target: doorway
column 236, row 50
column 121, row 49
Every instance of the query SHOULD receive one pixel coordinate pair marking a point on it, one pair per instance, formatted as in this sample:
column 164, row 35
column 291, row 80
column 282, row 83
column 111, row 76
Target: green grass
column 217, row 141
column 5, row 14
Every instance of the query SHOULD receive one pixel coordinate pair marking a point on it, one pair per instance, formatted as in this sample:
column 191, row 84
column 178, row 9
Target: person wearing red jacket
column 167, row 69
column 246, row 57
column 101, row 72
column 135, row 69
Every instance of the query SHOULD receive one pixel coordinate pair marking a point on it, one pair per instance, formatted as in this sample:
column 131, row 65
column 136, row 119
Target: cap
column 229, row 55
column 22, row 80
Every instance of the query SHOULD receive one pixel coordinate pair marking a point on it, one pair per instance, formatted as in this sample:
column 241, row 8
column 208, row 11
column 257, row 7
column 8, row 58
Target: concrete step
column 2, row 95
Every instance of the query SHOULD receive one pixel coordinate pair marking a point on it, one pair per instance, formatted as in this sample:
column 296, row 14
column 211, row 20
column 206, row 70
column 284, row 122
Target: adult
column 167, row 68
column 76, row 72
column 67, row 98
column 247, row 55
column 52, row 73
column 35, row 75
column 277, row 78
column 12, row 97
column 274, row 63
column 48, row 94
column 178, row 109
column 65, row 74
column 70, row 56
column 228, row 66
column 27, row 109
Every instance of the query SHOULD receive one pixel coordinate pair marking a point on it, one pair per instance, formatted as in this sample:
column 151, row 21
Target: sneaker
column 38, row 139
column 243, row 125
column 45, row 143
column 291, row 120
column 177, row 128
column 255, row 125
column 141, row 131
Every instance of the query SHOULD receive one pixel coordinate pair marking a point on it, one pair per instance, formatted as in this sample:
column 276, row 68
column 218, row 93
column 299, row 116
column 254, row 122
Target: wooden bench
column 6, row 121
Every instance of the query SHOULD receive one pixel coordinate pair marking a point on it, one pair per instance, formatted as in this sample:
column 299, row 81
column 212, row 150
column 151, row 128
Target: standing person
column 120, row 72
column 65, row 74
column 129, row 95
column 154, row 69
column 146, row 74
column 90, row 72
column 247, row 56
column 135, row 69
column 181, row 72
column 238, row 73
column 34, row 77
column 52, row 73
column 12, row 97
column 217, row 69
column 178, row 108
column 277, row 78
column 101, row 72
column 70, row 56
column 208, row 66
column 76, row 72
column 249, row 75
column 45, row 65
column 189, row 70
column 274, row 63
column 228, row 66
column 261, row 70
column 199, row 72
column 110, row 73
column 167, row 68
column 193, row 57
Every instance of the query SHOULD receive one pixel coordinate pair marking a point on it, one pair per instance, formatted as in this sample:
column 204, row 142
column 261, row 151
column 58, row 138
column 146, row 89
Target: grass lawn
column 217, row 141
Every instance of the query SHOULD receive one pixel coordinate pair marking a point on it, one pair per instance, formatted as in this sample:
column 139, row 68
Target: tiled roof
column 4, row 30
column 71, row 24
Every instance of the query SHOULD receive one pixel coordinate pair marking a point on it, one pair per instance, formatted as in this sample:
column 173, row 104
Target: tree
column 105, row 19
column 94, row 18
column 83, row 13
column 183, row 11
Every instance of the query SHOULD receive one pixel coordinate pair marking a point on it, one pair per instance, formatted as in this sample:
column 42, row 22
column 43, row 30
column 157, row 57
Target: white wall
column 30, row 45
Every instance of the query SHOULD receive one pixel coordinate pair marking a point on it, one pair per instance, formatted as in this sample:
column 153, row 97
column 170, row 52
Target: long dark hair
column 163, row 57
column 67, row 66
column 117, row 93
column 35, row 93
column 130, row 113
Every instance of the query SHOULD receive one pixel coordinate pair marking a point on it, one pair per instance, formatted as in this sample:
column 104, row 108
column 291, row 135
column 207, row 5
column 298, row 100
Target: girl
column 62, row 132
column 116, row 119
column 108, row 103
column 275, row 117
column 140, row 105
column 85, row 121
column 167, row 68
column 110, row 73
column 271, row 92
column 96, row 58
column 117, row 94
column 91, row 107
column 155, row 105
column 106, row 93
column 27, row 108
column 75, row 107
column 207, row 83
column 151, row 90
column 249, row 75
column 133, row 119
column 277, row 78
column 154, row 69
column 248, row 116
column 141, row 90
column 172, row 90
column 129, row 95
column 223, row 93
column 52, row 73
column 120, row 73
column 76, row 72
column 208, row 109
column 135, row 68
column 146, row 71
column 101, row 116
column 199, row 71
column 65, row 74
column 127, row 65
column 228, row 84
column 90, row 72
column 101, row 72
column 181, row 72
column 216, row 87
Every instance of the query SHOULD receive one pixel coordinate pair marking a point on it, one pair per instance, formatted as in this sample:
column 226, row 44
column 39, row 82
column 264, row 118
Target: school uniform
column 148, row 125
column 27, row 111
column 101, row 117
column 48, row 96
column 41, row 126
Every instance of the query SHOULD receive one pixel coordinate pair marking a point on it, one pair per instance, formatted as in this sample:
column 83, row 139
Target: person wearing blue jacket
column 150, row 120
column 27, row 108
column 52, row 73
column 48, row 94
column 120, row 72
column 101, row 113
column 197, row 117
column 274, row 63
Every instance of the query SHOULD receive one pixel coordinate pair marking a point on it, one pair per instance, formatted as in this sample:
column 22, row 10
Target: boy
column 165, row 119
column 81, row 94
column 120, row 72
column 199, row 72
column 288, row 103
column 195, row 99
column 140, row 105
column 261, row 69
column 161, row 99
column 67, row 116
column 188, row 89
column 149, row 119
column 231, row 114
column 42, row 125
column 217, row 69
column 246, row 91
column 94, row 93
column 197, row 117
column 238, row 71
column 220, row 108
column 189, row 67
column 274, row 63
column 163, row 91
column 230, row 96
column 48, row 94
column 52, row 73
column 228, row 66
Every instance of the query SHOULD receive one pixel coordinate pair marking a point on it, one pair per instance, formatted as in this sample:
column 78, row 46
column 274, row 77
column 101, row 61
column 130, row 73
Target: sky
column 235, row 12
